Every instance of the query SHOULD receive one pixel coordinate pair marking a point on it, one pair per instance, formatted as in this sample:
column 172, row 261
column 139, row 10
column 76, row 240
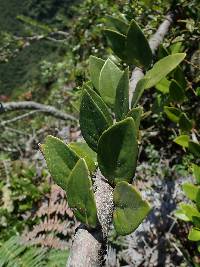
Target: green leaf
column 122, row 96
column 176, row 47
column 117, row 151
column 180, row 214
column 84, row 151
column 118, row 24
column 137, row 47
column 190, row 191
column 163, row 86
column 197, row 200
column 194, row 148
column 95, row 66
column 194, row 234
column 108, row 82
column 196, row 172
column 94, row 118
column 196, row 221
column 176, row 92
column 136, row 114
column 172, row 113
column 80, row 194
column 184, row 123
column 60, row 160
column 139, row 90
column 182, row 140
column 162, row 68
column 117, row 42
column 190, row 211
column 198, row 91
column 130, row 209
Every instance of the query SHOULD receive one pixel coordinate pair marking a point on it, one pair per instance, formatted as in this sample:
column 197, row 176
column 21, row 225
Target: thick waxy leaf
column 176, row 92
column 80, row 194
column 94, row 118
column 194, row 234
column 117, row 42
column 130, row 209
column 160, row 69
column 108, row 82
column 95, row 66
column 184, row 123
column 194, row 148
column 101, row 105
column 137, row 47
column 163, row 67
column 117, row 151
column 139, row 90
column 190, row 191
column 84, row 151
column 163, row 86
column 196, row 172
column 136, row 114
column 60, row 160
column 172, row 113
column 182, row 140
column 118, row 24
column 122, row 100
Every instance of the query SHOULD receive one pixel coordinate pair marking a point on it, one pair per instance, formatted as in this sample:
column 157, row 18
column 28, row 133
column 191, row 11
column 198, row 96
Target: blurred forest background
column 44, row 50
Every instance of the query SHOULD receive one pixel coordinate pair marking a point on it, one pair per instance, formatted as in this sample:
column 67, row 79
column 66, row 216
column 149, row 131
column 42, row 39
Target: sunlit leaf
column 122, row 96
column 182, row 140
column 162, row 68
column 95, row 66
column 109, row 78
column 60, row 160
column 130, row 209
column 172, row 113
column 84, row 151
column 194, row 234
column 80, row 194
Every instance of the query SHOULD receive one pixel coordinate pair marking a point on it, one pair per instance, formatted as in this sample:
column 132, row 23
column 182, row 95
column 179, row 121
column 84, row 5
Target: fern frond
column 14, row 254
column 57, row 258
column 10, row 250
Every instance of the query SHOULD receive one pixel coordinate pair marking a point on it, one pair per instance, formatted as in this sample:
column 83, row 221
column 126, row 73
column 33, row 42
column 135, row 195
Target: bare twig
column 30, row 105
column 3, row 123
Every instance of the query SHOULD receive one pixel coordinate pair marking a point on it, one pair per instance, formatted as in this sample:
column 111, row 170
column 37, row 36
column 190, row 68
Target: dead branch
column 30, row 105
